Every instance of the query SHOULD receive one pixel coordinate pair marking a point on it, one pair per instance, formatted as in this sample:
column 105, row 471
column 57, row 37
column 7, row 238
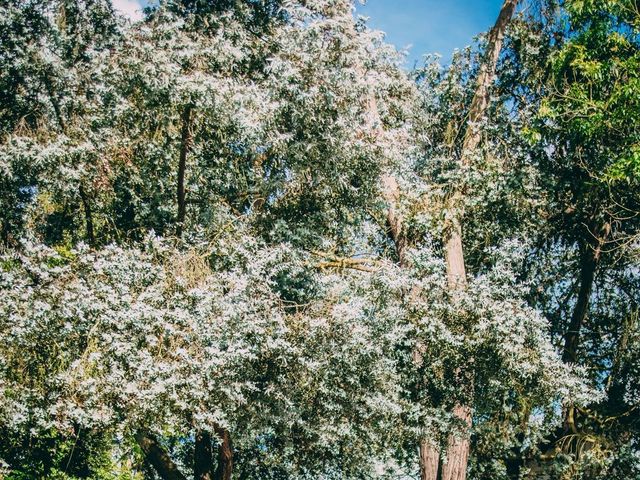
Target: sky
column 426, row 26
column 431, row 26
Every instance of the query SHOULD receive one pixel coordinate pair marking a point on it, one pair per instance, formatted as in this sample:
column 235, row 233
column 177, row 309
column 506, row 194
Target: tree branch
column 157, row 457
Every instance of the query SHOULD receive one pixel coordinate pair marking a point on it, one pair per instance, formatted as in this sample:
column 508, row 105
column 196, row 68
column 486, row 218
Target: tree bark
column 203, row 456
column 455, row 466
column 588, row 264
column 158, row 458
column 391, row 193
column 185, row 146
column 481, row 97
column 429, row 460
column 225, row 455
column 458, row 452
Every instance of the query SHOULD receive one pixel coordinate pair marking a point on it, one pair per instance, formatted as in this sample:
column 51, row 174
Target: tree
column 224, row 250
column 588, row 128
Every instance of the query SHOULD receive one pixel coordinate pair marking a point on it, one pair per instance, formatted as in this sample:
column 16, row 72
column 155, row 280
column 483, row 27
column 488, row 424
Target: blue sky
column 429, row 26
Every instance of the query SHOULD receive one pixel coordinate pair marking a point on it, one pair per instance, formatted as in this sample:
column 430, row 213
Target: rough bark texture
column 158, row 458
column 429, row 460
column 185, row 146
column 203, row 456
column 225, row 455
column 455, row 466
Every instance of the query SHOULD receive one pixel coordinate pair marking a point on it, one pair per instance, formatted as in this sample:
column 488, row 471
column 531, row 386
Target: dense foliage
column 223, row 247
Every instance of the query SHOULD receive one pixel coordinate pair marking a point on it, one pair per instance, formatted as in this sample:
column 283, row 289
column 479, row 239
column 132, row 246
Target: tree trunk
column 481, row 97
column 391, row 193
column 455, row 468
column 588, row 263
column 458, row 452
column 454, row 257
column 615, row 386
column 185, row 146
column 225, row 455
column 203, row 456
column 48, row 85
column 158, row 458
column 429, row 460
column 88, row 217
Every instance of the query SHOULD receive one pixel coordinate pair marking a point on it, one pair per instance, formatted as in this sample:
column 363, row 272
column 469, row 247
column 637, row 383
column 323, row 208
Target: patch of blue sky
column 420, row 26
column 430, row 26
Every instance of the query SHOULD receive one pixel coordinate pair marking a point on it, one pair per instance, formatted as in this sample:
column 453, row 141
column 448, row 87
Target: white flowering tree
column 205, row 273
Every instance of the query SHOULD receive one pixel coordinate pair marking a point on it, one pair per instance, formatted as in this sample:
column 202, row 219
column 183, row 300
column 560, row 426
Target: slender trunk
column 225, row 455
column 589, row 258
column 185, row 146
column 481, row 97
column 88, row 216
column 455, row 468
column 454, row 257
column 428, row 453
column 158, row 458
column 588, row 264
column 203, row 456
column 458, row 447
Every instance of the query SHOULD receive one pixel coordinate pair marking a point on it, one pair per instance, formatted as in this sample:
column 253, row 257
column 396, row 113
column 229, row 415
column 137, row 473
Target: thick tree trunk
column 203, row 456
column 588, row 264
column 225, row 455
column 429, row 460
column 185, row 146
column 158, row 458
column 88, row 216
